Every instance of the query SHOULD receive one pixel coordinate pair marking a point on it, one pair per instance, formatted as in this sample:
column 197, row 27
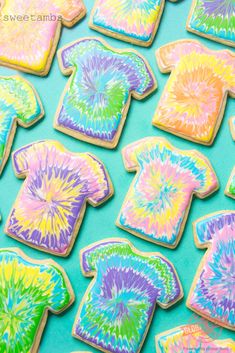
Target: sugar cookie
column 213, row 20
column 19, row 103
column 212, row 291
column 230, row 188
column 135, row 22
column 30, row 31
column 49, row 209
column 157, row 204
column 119, row 304
column 28, row 290
column 97, row 97
column 232, row 126
column 191, row 338
column 194, row 99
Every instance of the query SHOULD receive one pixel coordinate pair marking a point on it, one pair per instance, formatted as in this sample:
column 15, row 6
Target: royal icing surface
column 18, row 104
column 50, row 206
column 136, row 21
column 191, row 339
column 116, row 312
column 156, row 206
column 193, row 102
column 30, row 29
column 212, row 293
column 230, row 188
column 96, row 100
column 213, row 19
column 28, row 289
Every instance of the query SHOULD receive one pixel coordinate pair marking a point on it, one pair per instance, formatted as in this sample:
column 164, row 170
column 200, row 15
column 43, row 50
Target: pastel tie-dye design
column 20, row 104
column 212, row 294
column 117, row 309
column 130, row 20
column 194, row 99
column 96, row 100
column 191, row 339
column 230, row 188
column 30, row 31
column 157, row 204
column 50, row 207
column 28, row 289
column 213, row 19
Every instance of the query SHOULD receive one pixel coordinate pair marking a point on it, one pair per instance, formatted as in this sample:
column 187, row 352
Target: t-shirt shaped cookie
column 118, row 307
column 192, row 339
column 194, row 99
column 157, row 204
column 30, row 31
column 212, row 294
column 28, row 290
column 213, row 19
column 97, row 97
column 133, row 21
column 50, row 207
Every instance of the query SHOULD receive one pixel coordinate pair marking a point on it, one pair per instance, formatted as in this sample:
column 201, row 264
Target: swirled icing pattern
column 129, row 19
column 27, row 291
column 157, row 203
column 230, row 188
column 18, row 103
column 212, row 294
column 213, row 19
column 117, row 310
column 193, row 102
column 191, row 339
column 51, row 204
column 30, row 29
column 96, row 101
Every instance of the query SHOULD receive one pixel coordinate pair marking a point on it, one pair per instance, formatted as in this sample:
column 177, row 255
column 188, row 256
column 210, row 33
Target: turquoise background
column 100, row 223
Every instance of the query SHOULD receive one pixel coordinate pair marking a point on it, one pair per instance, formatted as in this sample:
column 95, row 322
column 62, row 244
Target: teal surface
column 100, row 223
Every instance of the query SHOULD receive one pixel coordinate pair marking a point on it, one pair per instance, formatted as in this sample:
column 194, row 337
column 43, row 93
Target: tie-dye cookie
column 191, row 339
column 96, row 99
column 230, row 188
column 194, row 99
column 129, row 20
column 213, row 19
column 19, row 103
column 30, row 31
column 28, row 290
column 212, row 294
column 157, row 204
column 118, row 307
column 232, row 126
column 49, row 209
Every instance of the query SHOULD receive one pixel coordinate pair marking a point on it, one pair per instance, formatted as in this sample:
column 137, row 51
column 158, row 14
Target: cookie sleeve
column 60, row 296
column 169, row 55
column 206, row 228
column 130, row 154
column 91, row 254
column 170, row 290
column 21, row 159
column 69, row 10
column 205, row 179
column 140, row 75
column 98, row 181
